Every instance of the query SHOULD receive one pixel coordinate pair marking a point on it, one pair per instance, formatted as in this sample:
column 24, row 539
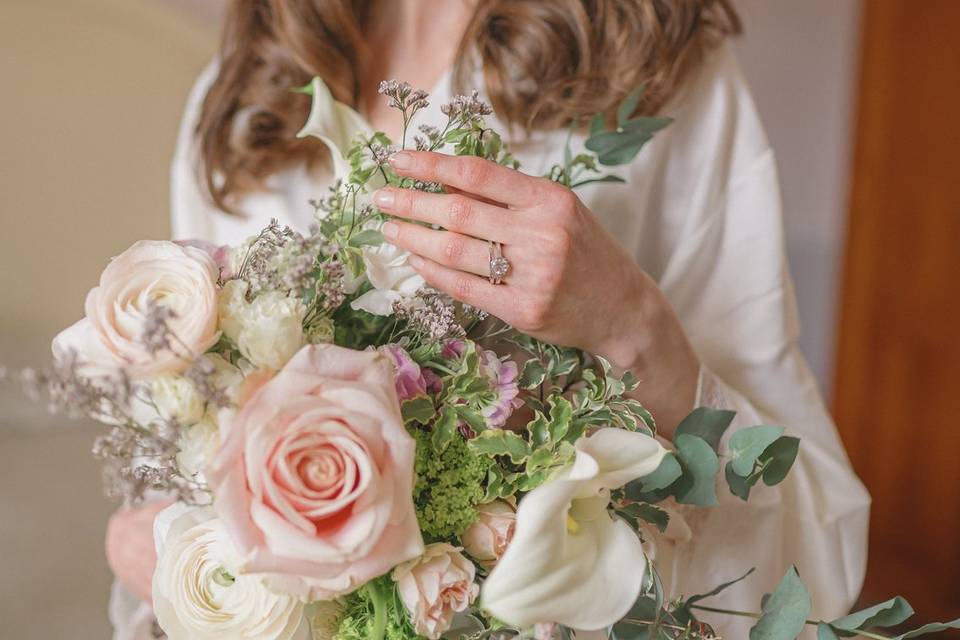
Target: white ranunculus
column 569, row 562
column 267, row 331
column 334, row 124
column 198, row 592
column 198, row 444
column 392, row 277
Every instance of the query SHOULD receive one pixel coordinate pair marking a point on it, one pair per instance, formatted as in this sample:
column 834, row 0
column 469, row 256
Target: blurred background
column 859, row 100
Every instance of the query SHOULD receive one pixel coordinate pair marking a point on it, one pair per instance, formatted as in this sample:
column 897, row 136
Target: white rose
column 198, row 444
column 267, row 331
column 198, row 592
column 392, row 277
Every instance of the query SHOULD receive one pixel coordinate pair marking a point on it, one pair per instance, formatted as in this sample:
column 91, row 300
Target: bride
column 679, row 274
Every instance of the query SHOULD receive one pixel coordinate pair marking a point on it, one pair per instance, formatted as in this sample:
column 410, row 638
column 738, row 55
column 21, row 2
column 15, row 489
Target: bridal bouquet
column 355, row 456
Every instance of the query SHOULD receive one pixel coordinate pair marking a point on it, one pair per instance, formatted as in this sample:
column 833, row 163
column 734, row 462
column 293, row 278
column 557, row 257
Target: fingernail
column 415, row 261
column 390, row 230
column 384, row 198
column 401, row 160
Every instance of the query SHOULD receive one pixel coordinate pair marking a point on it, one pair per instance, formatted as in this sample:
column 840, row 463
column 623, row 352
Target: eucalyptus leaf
column 597, row 124
column 739, row 486
column 785, row 610
column 746, row 445
column 629, row 105
column 779, row 457
column 617, row 147
column 646, row 124
column 606, row 178
column 701, row 464
column 665, row 475
column 885, row 614
column 933, row 627
column 708, row 424
column 826, row 632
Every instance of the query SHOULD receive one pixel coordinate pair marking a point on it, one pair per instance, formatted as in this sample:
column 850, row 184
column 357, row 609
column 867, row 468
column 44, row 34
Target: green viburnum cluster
column 450, row 483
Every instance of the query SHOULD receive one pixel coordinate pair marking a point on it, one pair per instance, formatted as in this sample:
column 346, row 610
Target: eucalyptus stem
column 756, row 616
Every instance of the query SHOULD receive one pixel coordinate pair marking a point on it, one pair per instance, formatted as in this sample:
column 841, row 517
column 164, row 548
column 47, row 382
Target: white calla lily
column 333, row 123
column 569, row 561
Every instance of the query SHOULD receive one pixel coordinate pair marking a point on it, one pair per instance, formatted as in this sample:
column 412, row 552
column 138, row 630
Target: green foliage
column 886, row 614
column 700, row 466
column 358, row 619
column 449, row 485
column 785, row 610
column 772, row 463
column 418, row 409
column 748, row 444
column 707, row 424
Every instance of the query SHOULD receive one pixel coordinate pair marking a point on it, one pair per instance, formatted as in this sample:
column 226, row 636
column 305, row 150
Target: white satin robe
column 700, row 212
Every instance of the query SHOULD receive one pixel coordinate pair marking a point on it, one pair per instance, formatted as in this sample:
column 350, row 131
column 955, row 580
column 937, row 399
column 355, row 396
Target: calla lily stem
column 379, row 611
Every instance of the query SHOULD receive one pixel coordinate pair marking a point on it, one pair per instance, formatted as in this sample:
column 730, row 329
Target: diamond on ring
column 499, row 266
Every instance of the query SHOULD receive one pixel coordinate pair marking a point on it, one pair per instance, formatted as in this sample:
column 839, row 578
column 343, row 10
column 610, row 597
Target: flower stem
column 747, row 614
column 379, row 611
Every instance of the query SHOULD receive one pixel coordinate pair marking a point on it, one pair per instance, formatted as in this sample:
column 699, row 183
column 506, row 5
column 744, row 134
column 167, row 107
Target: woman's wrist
column 648, row 340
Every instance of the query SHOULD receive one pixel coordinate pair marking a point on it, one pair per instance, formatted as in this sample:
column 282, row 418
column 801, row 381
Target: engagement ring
column 499, row 266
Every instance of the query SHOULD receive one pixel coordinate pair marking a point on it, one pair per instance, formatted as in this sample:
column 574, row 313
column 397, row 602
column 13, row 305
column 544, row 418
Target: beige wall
column 92, row 93
column 90, row 98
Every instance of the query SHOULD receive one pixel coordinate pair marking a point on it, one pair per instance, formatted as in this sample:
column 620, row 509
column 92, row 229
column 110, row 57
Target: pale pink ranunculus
column 487, row 538
column 435, row 586
column 314, row 477
column 110, row 337
column 219, row 252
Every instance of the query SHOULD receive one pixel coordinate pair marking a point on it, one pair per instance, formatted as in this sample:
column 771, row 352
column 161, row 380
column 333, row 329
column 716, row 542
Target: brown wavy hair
column 545, row 64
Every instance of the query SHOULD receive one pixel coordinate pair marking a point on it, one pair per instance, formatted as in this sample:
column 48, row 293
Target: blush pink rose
column 315, row 474
column 110, row 337
column 487, row 538
column 435, row 586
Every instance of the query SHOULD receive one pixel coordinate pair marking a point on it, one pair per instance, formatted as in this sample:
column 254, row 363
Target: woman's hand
column 569, row 283
column 130, row 550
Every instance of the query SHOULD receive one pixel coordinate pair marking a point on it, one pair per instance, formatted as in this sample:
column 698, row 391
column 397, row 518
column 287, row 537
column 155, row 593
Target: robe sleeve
column 729, row 281
column 190, row 207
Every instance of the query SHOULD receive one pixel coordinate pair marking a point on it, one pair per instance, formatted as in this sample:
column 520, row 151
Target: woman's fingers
column 465, row 287
column 445, row 247
column 473, row 175
column 454, row 212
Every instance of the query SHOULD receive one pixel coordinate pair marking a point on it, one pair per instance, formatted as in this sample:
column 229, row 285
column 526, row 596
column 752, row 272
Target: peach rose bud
column 487, row 538
column 434, row 587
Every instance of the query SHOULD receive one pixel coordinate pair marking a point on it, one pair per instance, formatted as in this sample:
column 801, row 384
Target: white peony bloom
column 198, row 445
column 334, row 124
column 267, row 331
column 176, row 398
column 198, row 593
column 569, row 562
column 392, row 277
